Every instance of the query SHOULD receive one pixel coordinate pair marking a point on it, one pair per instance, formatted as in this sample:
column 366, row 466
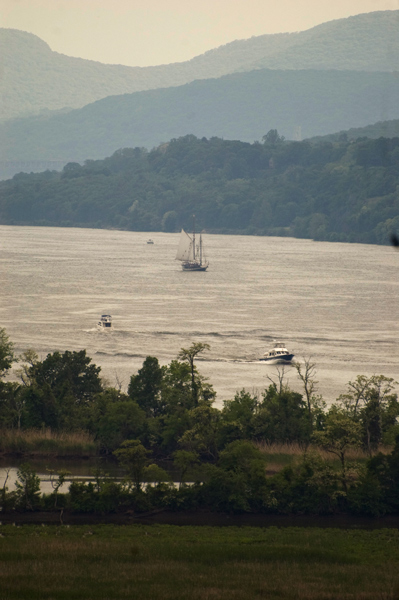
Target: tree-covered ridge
column 55, row 81
column 242, row 106
column 342, row 191
column 386, row 129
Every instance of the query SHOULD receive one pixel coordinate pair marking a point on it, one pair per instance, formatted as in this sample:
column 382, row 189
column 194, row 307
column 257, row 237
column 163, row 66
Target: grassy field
column 44, row 442
column 106, row 562
column 279, row 456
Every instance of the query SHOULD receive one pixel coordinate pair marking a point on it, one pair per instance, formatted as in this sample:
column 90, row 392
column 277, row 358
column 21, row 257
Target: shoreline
column 208, row 519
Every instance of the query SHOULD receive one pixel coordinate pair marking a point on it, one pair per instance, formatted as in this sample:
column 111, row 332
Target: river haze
column 336, row 303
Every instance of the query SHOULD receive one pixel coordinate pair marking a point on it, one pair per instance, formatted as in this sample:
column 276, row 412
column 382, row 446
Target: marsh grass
column 279, row 456
column 45, row 442
column 154, row 562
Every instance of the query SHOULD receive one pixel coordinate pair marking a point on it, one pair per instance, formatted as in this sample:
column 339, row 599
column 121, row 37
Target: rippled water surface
column 337, row 303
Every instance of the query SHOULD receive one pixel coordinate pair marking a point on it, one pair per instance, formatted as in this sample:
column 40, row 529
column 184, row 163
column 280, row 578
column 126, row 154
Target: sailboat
column 191, row 252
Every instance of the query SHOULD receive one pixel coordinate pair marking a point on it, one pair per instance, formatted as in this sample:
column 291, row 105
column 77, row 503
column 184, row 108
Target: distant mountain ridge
column 242, row 106
column 37, row 79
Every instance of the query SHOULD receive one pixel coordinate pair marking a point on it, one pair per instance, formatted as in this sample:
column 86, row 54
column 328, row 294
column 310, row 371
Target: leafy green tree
column 282, row 417
column 67, row 383
column 27, row 488
column 311, row 485
column 237, row 417
column 341, row 433
column 238, row 482
column 115, row 417
column 184, row 461
column 373, row 403
column 155, row 474
column 7, row 356
column 202, row 437
column 145, row 387
column 134, row 459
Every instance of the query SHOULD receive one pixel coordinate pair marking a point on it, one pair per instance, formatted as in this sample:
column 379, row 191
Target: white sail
column 185, row 249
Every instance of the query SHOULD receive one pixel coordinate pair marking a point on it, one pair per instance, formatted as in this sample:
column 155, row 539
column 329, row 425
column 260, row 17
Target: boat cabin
column 105, row 321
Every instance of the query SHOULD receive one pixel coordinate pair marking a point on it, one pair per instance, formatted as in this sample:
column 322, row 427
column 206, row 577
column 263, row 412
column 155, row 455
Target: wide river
column 336, row 303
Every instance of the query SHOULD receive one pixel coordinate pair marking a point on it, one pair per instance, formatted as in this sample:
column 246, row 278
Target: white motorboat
column 278, row 354
column 105, row 322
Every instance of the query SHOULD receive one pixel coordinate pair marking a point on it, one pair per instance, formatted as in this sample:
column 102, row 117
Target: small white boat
column 150, row 241
column 105, row 322
column 278, row 354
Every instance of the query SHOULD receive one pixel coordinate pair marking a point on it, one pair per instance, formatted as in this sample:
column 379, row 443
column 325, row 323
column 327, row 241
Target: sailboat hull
column 194, row 267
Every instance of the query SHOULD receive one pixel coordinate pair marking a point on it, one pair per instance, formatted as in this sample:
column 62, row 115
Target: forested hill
column 342, row 191
column 35, row 78
column 300, row 104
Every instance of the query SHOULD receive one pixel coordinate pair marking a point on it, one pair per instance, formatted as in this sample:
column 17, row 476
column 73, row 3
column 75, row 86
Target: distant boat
column 191, row 252
column 150, row 241
column 278, row 354
column 105, row 322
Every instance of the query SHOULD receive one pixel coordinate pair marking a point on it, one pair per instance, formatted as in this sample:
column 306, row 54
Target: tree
column 340, row 434
column 69, row 373
column 202, row 436
column 237, row 417
column 134, row 458
column 306, row 374
column 282, row 417
column 189, row 354
column 27, row 487
column 145, row 387
column 7, row 356
column 67, row 383
column 58, row 482
column 184, row 460
column 273, row 138
column 116, row 418
column 372, row 402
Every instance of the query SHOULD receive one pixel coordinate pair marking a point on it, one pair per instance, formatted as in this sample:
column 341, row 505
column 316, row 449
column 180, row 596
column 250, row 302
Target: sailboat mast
column 194, row 238
column 200, row 249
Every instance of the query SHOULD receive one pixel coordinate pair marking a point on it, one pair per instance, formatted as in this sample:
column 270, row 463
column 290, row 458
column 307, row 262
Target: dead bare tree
column 282, row 385
column 307, row 373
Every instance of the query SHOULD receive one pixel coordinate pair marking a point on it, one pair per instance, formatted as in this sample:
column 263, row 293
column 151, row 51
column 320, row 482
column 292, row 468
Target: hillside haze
column 243, row 106
column 38, row 79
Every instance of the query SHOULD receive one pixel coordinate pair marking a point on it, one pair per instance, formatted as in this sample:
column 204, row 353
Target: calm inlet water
column 337, row 303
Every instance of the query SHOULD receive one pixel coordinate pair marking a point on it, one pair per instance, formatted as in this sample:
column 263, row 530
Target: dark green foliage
column 378, row 490
column 145, row 387
column 282, row 417
column 311, row 486
column 342, row 191
column 6, row 352
column 115, row 417
column 27, row 486
column 238, row 417
column 61, row 390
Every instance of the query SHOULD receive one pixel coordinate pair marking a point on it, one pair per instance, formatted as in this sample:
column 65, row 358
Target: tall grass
column 104, row 562
column 45, row 442
column 280, row 455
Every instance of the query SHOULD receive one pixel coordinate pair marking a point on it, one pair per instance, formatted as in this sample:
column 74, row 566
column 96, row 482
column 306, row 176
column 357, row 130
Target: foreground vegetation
column 103, row 562
column 335, row 191
column 165, row 428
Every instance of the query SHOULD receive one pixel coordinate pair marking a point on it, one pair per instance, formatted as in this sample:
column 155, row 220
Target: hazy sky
column 152, row 32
